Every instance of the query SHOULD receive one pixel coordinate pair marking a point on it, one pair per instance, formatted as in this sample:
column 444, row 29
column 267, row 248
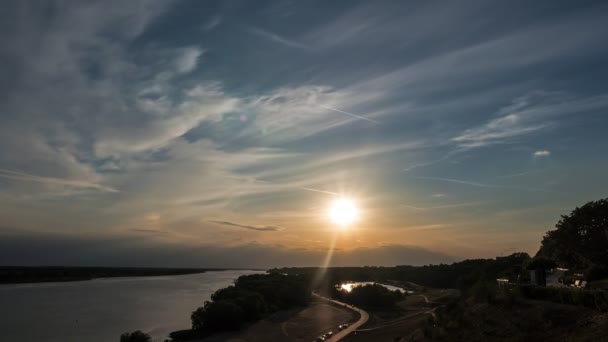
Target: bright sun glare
column 343, row 211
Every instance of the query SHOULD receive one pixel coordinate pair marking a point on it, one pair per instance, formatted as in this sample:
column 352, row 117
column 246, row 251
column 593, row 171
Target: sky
column 217, row 134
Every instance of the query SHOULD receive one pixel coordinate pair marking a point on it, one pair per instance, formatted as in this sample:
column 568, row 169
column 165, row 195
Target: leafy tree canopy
column 580, row 240
column 136, row 336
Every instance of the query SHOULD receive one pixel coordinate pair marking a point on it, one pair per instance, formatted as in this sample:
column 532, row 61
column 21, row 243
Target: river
column 348, row 286
column 100, row 310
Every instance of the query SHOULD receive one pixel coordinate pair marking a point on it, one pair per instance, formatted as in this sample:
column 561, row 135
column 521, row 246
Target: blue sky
column 461, row 129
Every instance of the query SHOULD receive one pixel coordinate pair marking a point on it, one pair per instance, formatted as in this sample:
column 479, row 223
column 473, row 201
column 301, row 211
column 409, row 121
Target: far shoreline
column 12, row 275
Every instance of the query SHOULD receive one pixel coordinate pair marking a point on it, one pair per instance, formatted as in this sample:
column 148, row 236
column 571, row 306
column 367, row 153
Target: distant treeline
column 251, row 298
column 457, row 275
column 22, row 274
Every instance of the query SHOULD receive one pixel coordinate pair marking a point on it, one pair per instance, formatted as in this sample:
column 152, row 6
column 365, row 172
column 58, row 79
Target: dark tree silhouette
column 136, row 336
column 580, row 240
column 251, row 298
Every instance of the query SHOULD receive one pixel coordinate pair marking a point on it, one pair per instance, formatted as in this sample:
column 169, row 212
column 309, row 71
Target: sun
column 343, row 211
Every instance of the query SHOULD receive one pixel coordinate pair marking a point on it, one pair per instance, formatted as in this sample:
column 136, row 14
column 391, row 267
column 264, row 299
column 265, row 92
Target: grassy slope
column 522, row 320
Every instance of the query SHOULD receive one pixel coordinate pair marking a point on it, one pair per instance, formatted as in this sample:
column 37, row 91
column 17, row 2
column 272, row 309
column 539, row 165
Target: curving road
column 341, row 334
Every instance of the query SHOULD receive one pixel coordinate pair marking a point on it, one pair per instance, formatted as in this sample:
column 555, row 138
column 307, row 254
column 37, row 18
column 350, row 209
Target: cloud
column 187, row 59
column 351, row 114
column 276, row 38
column 532, row 113
column 202, row 102
column 148, row 231
column 154, row 250
column 212, row 23
column 258, row 228
column 133, row 113
column 498, row 130
column 445, row 206
column 541, row 153
column 21, row 176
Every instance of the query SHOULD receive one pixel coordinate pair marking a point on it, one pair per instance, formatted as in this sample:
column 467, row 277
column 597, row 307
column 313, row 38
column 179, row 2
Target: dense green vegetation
column 370, row 296
column 593, row 299
column 505, row 314
column 251, row 298
column 460, row 275
column 136, row 336
column 580, row 240
column 23, row 274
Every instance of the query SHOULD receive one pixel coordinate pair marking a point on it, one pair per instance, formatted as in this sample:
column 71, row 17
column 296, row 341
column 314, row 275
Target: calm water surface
column 100, row 310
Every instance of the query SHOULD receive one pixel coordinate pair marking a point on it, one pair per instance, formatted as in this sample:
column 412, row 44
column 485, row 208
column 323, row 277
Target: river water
column 350, row 285
column 100, row 310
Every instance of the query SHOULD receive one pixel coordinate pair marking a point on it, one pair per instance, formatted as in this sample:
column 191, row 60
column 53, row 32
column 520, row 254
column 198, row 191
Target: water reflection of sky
column 348, row 287
column 101, row 309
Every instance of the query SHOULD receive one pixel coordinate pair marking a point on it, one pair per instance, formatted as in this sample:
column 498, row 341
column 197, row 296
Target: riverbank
column 302, row 324
column 45, row 274
column 101, row 310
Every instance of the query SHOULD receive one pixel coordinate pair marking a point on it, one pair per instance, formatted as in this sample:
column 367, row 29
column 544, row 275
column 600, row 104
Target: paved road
column 340, row 335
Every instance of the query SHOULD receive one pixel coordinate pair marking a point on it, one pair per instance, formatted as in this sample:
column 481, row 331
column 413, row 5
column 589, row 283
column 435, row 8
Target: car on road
column 329, row 334
column 320, row 338
column 343, row 326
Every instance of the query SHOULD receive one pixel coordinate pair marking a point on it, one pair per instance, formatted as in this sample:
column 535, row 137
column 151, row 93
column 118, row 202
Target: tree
column 580, row 240
column 136, row 336
column 218, row 315
column 540, row 262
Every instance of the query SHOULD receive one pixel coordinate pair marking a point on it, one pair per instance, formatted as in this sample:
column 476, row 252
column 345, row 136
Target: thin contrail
column 485, row 185
column 458, row 181
column 351, row 114
column 322, row 191
column 415, row 166
column 520, row 174
column 445, row 206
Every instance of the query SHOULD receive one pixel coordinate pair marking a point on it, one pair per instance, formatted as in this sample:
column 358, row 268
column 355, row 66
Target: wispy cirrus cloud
column 257, row 228
column 214, row 22
column 188, row 59
column 498, row 130
column 277, row 38
column 21, row 176
column 160, row 111
column 528, row 115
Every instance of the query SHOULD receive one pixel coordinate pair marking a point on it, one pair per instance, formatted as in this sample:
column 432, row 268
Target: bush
column 251, row 298
column 597, row 272
column 136, row 336
column 594, row 299
column 484, row 291
column 220, row 315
